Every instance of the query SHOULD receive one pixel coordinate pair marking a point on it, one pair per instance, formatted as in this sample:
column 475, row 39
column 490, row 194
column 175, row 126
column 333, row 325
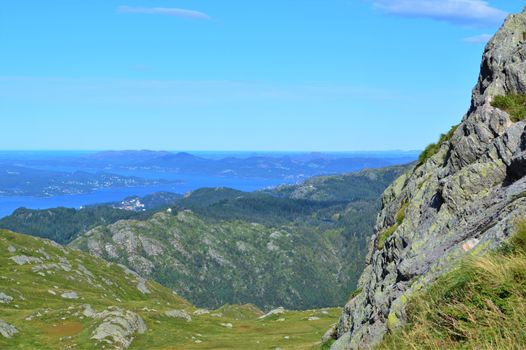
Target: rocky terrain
column 464, row 198
column 52, row 297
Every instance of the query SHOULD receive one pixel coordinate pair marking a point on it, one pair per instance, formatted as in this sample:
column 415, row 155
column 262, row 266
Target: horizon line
column 210, row 150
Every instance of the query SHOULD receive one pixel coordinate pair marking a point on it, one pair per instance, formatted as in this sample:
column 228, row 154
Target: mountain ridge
column 266, row 245
column 463, row 199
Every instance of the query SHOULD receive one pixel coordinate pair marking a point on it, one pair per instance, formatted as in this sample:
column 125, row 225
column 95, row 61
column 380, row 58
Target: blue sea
column 181, row 183
column 185, row 184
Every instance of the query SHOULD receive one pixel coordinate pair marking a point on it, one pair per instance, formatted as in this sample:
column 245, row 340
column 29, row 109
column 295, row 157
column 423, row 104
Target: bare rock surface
column 278, row 311
column 5, row 299
column 7, row 330
column 117, row 327
column 69, row 295
column 24, row 259
column 179, row 314
column 463, row 200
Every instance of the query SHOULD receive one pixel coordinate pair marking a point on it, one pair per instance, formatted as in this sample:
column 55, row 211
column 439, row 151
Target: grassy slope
column 479, row 305
column 60, row 326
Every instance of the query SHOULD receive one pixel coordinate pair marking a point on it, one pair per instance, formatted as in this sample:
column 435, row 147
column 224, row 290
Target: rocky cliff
column 463, row 199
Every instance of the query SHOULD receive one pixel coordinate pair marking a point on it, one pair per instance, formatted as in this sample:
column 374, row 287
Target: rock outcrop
column 463, row 200
column 179, row 314
column 117, row 328
column 7, row 330
column 5, row 299
column 69, row 295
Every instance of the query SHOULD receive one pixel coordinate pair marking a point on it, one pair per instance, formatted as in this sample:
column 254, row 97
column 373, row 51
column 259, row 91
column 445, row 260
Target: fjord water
column 179, row 182
column 187, row 183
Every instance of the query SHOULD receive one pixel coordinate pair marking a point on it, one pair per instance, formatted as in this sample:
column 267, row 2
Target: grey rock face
column 465, row 198
column 330, row 334
column 117, row 328
column 5, row 299
column 179, row 314
column 88, row 311
column 200, row 312
column 141, row 286
column 70, row 295
column 23, row 259
column 7, row 330
column 278, row 311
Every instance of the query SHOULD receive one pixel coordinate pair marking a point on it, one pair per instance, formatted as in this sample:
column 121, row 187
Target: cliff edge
column 463, row 198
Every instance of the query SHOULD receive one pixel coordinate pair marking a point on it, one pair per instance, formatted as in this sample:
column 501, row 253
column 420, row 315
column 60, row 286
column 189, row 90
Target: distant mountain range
column 273, row 166
column 294, row 165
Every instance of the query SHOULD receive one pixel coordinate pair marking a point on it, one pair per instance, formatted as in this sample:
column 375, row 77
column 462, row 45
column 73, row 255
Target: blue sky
column 333, row 75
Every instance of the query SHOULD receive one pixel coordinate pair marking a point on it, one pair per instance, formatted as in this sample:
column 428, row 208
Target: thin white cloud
column 463, row 12
column 478, row 39
column 169, row 11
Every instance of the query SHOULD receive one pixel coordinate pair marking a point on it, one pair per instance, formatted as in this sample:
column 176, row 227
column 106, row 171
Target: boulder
column 117, row 328
column 7, row 330
column 179, row 314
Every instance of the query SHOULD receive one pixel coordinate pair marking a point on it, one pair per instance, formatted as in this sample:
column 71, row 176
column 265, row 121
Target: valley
column 303, row 219
column 221, row 246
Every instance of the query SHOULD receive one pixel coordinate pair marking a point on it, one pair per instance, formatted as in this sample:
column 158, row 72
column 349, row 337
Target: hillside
column 464, row 197
column 62, row 225
column 213, row 262
column 299, row 240
column 362, row 185
column 53, row 297
column 219, row 246
column 478, row 305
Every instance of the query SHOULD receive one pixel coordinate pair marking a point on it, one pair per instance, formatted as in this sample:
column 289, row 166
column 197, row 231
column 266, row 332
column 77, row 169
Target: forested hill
column 220, row 246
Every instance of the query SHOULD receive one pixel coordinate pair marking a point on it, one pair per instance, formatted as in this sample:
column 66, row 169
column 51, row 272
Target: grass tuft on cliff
column 513, row 104
column 433, row 148
column 385, row 234
column 479, row 305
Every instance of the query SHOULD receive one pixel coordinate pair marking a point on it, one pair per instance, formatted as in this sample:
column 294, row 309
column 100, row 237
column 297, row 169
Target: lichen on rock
column 117, row 328
column 463, row 200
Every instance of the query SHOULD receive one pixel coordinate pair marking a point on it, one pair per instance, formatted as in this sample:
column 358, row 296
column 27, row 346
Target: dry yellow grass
column 479, row 305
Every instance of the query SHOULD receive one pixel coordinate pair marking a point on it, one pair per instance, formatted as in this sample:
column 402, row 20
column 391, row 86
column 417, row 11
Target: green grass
column 479, row 305
column 327, row 345
column 355, row 293
column 385, row 234
column 60, row 326
column 513, row 104
column 433, row 148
